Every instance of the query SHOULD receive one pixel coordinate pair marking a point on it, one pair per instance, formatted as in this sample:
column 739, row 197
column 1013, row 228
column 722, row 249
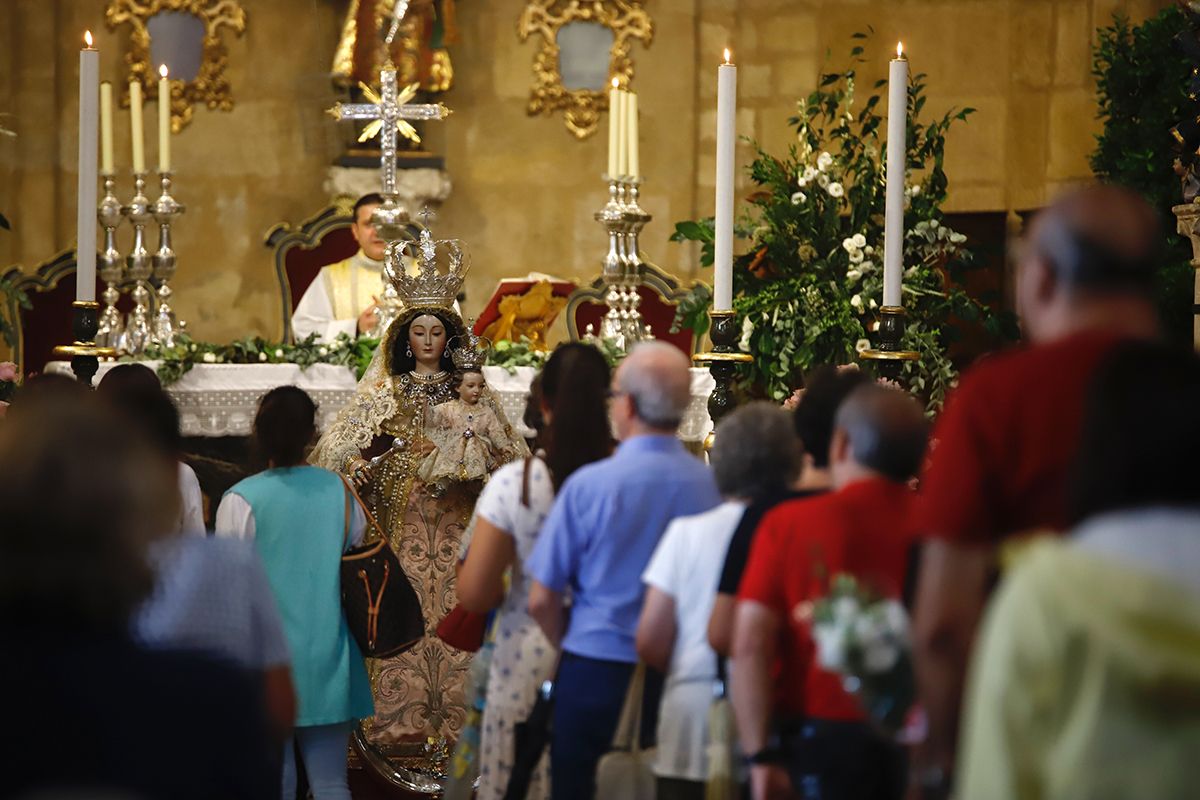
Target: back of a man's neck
column 1118, row 316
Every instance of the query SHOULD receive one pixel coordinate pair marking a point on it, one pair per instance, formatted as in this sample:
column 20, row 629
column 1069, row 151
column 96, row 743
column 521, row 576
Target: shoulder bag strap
column 371, row 523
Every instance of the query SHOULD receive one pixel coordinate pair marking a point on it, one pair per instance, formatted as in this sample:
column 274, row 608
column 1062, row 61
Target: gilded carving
column 627, row 19
column 210, row 87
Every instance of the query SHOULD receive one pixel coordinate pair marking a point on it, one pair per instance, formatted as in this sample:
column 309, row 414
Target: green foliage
column 808, row 288
column 10, row 298
column 509, row 354
column 1141, row 90
column 177, row 361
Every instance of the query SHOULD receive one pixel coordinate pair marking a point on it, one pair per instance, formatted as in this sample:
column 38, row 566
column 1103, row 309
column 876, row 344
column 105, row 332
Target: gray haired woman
column 756, row 453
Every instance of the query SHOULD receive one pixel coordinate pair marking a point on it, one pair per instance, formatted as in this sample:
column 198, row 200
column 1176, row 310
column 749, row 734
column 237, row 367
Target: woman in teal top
column 296, row 515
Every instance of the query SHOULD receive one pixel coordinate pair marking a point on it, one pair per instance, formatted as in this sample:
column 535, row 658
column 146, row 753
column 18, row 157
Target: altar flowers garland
column 177, row 360
column 807, row 290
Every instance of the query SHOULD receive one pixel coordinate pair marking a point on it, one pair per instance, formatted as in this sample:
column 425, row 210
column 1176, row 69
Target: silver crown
column 429, row 288
column 469, row 351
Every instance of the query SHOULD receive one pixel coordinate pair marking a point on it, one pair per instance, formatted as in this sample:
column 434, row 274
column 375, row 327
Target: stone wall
column 524, row 189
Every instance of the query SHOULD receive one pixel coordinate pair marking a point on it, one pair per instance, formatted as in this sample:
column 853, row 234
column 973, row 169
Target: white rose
column 856, row 256
column 860, row 240
column 798, row 198
column 209, row 358
column 824, row 161
column 322, row 351
column 880, row 656
column 957, row 238
column 867, row 266
column 279, row 354
column 845, row 609
column 916, row 190
column 262, row 356
column 809, row 174
column 803, row 183
column 873, row 304
column 848, row 245
column 868, row 250
column 835, row 190
column 856, row 302
column 822, row 180
column 862, row 345
column 853, row 275
column 747, row 332
column 896, row 619
column 831, row 646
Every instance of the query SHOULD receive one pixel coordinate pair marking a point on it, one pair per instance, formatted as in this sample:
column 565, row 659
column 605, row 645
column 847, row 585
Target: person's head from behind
column 363, row 228
column 82, row 500
column 651, row 390
column 284, row 427
column 756, row 453
column 574, row 385
column 1090, row 258
column 824, row 390
column 1141, row 433
column 44, row 388
column 878, row 433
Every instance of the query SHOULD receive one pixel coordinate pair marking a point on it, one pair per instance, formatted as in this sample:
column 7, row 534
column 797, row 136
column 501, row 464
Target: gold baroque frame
column 627, row 19
column 210, row 86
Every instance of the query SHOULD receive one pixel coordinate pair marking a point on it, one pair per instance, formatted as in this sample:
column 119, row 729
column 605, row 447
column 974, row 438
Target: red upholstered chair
column 301, row 252
column 660, row 295
column 47, row 323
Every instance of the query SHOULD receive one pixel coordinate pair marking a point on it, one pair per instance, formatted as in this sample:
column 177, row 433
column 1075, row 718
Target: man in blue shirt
column 605, row 525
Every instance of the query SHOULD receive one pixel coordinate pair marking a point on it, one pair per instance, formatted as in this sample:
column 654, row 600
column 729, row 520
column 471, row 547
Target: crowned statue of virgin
column 380, row 441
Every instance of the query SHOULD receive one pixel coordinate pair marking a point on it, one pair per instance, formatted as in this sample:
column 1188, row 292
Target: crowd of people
column 1044, row 536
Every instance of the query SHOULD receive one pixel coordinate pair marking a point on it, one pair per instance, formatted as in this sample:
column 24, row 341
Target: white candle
column 135, row 127
column 164, row 120
column 893, row 236
column 622, row 133
column 85, row 231
column 634, row 170
column 106, row 146
column 726, row 133
column 614, row 129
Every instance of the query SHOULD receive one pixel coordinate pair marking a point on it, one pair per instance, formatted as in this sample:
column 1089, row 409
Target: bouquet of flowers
column 8, row 384
column 865, row 638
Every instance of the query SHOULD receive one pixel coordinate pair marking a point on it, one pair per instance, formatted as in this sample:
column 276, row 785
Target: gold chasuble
column 352, row 285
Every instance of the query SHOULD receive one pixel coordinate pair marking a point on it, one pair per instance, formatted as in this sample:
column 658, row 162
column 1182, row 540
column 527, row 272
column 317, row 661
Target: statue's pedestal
column 416, row 188
column 1188, row 215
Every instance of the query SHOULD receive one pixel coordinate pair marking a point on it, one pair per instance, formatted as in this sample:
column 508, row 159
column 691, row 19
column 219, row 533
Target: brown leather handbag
column 382, row 609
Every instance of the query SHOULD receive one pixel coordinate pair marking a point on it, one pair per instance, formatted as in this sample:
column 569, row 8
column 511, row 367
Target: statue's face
column 427, row 338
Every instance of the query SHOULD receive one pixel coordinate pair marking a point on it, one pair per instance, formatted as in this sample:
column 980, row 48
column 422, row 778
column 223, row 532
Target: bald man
column 605, row 524
column 1002, row 447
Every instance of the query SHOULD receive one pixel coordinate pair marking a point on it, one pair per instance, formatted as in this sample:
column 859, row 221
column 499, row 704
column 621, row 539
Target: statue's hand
column 360, row 473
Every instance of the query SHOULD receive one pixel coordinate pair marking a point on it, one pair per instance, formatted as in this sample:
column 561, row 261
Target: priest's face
column 427, row 338
column 364, row 233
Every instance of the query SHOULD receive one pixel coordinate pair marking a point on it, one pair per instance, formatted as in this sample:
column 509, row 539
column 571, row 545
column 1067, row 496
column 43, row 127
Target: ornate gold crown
column 471, row 351
column 429, row 288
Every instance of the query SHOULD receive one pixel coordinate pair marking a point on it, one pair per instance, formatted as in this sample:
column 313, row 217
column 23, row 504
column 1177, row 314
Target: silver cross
column 389, row 111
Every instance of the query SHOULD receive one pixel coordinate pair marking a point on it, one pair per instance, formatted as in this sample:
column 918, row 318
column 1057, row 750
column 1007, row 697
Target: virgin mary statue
column 379, row 440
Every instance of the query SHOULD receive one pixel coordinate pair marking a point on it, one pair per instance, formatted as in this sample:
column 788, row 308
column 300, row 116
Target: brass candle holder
column 84, row 353
column 722, row 362
column 888, row 359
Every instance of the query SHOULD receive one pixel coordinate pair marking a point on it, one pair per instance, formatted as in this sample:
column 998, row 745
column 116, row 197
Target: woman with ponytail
column 508, row 518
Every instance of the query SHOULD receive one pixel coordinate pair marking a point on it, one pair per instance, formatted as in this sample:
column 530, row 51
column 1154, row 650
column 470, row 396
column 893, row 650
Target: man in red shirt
column 862, row 528
column 1001, row 449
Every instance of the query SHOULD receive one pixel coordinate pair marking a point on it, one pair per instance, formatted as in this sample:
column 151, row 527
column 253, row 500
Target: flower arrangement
column 866, row 639
column 510, row 354
column 808, row 288
column 177, row 360
column 8, row 384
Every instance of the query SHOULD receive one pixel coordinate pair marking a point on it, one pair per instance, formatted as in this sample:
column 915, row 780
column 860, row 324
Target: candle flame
column 899, row 49
column 163, row 71
column 727, row 54
column 615, row 83
column 87, row 39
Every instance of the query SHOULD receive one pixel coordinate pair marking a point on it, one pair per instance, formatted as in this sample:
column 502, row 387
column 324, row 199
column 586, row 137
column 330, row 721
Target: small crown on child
column 471, row 351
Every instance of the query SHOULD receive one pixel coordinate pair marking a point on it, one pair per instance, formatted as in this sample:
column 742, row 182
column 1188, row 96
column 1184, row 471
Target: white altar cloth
column 221, row 399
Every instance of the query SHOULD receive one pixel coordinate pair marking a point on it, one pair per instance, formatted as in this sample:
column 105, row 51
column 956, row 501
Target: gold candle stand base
column 84, row 354
column 888, row 359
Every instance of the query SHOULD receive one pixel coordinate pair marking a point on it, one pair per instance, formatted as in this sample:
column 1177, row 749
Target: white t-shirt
column 687, row 566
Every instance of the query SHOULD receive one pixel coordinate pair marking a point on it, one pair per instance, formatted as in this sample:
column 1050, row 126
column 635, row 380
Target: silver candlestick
column 635, row 219
column 167, row 326
column 139, row 268
column 111, row 267
column 623, row 220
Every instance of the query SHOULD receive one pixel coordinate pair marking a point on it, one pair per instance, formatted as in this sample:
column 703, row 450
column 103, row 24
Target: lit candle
column 634, row 170
column 135, row 127
column 106, row 146
column 723, row 246
column 85, row 231
column 622, row 133
column 614, row 130
column 164, row 120
column 893, row 235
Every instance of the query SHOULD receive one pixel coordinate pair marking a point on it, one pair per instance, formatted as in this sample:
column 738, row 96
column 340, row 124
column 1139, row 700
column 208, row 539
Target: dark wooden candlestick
column 84, row 354
column 888, row 359
column 722, row 360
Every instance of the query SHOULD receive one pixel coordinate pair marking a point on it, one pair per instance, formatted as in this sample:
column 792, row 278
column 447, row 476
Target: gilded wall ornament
column 191, row 34
column 582, row 98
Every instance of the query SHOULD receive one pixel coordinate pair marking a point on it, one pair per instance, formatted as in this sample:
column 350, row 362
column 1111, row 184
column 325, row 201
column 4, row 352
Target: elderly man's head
column 1091, row 250
column 756, row 452
column 880, row 432
column 651, row 390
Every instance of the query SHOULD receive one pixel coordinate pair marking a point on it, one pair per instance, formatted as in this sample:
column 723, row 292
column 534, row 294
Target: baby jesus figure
column 462, row 432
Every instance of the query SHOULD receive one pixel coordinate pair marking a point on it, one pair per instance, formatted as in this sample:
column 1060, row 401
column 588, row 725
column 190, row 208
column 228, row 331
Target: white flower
column 880, row 656
column 860, row 240
column 322, row 351
column 209, row 358
column 262, row 356
column 747, row 332
column 862, row 345
column 279, row 354
column 853, row 275
column 856, row 256
column 798, row 198
column 911, row 272
column 896, row 618
column 831, row 646
column 872, row 304
column 845, row 609
column 824, row 161
column 835, row 190
column 193, row 347
column 867, row 266
column 809, row 174
column 957, row 238
column 857, row 302
column 822, row 180
column 803, row 183
column 916, row 189
column 868, row 250
column 848, row 244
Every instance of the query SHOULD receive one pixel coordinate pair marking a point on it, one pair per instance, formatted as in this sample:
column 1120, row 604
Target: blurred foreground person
column 83, row 497
column 1004, row 444
column 1086, row 680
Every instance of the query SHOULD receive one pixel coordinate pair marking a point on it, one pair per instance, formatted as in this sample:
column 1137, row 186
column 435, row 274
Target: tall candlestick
column 164, row 120
column 723, row 246
column 135, row 127
column 893, row 236
column 614, row 127
column 623, row 133
column 106, row 128
column 85, row 231
column 634, row 168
